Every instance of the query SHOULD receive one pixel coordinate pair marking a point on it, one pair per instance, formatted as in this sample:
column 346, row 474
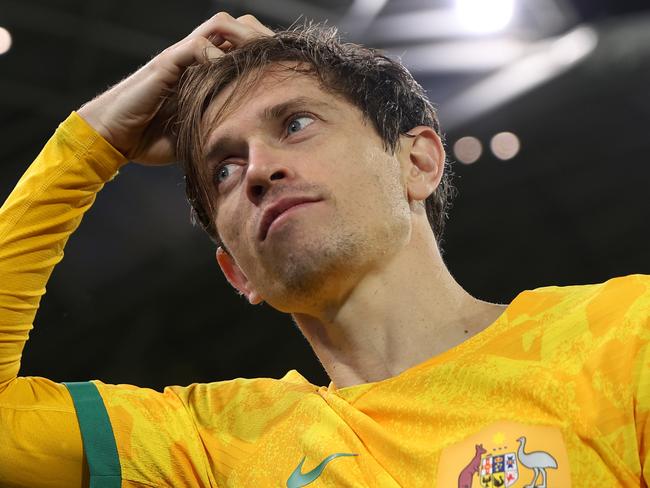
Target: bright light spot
column 485, row 16
column 5, row 40
column 468, row 149
column 546, row 60
column 505, row 145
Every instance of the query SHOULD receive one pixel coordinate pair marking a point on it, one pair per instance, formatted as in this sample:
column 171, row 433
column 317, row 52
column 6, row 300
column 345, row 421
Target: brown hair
column 380, row 87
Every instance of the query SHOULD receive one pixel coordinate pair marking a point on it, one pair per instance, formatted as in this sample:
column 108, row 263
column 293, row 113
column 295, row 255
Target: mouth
column 273, row 212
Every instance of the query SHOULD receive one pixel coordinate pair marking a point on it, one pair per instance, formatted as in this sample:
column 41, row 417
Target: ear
column 423, row 161
column 236, row 277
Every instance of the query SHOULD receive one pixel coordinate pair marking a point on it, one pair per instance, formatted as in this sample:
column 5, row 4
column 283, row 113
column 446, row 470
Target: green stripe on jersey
column 97, row 435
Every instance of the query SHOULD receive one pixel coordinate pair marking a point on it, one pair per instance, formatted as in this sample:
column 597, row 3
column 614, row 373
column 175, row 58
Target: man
column 318, row 169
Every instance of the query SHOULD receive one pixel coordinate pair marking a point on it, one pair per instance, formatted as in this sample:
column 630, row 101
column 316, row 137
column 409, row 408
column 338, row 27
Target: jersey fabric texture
column 555, row 392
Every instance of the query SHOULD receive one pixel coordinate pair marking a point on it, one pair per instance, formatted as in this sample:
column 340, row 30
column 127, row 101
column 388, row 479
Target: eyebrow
column 268, row 114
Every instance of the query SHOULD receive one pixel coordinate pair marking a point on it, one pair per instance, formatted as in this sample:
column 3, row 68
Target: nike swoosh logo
column 298, row 479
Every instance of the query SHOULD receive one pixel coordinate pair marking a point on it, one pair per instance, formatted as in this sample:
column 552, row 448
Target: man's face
column 306, row 197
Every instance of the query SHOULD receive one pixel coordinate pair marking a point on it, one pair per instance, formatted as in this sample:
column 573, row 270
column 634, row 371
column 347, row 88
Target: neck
column 396, row 316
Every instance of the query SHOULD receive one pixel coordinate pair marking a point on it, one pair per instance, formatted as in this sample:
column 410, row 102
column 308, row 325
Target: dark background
column 139, row 298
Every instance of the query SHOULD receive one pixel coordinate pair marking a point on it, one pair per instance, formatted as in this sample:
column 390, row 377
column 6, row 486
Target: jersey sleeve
column 641, row 378
column 643, row 413
column 619, row 321
column 40, row 439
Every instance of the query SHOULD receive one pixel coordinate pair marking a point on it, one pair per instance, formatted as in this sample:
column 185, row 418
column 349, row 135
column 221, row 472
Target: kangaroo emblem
column 466, row 477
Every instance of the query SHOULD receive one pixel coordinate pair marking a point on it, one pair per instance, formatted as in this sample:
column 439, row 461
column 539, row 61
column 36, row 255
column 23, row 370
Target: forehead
column 250, row 96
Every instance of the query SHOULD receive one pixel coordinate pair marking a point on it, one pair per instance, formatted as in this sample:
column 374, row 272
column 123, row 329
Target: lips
column 272, row 212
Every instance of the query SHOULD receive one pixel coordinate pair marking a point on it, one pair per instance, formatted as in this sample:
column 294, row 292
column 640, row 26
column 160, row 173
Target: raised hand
column 126, row 114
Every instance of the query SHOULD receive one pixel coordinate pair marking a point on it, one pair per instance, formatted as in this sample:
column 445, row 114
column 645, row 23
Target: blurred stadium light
column 481, row 16
column 485, row 52
column 505, row 145
column 468, row 149
column 5, row 40
column 542, row 61
column 360, row 16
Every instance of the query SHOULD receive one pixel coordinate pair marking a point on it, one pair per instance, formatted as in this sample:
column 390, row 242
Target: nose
column 266, row 167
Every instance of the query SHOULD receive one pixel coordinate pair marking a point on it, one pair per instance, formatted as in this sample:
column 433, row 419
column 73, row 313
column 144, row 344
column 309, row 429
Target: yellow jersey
column 555, row 393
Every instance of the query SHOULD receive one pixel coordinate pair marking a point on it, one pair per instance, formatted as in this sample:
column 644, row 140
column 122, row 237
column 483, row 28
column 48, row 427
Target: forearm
column 35, row 222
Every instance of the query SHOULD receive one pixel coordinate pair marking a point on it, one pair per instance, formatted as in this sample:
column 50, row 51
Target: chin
column 306, row 265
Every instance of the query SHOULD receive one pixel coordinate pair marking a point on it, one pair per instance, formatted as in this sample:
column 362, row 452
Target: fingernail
column 212, row 52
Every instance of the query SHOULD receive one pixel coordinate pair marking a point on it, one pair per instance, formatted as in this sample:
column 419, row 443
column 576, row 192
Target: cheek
column 381, row 177
column 228, row 224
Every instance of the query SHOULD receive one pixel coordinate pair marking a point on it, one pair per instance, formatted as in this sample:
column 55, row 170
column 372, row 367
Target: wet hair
column 380, row 87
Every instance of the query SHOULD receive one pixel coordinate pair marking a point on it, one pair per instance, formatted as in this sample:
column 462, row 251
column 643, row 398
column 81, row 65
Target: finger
column 219, row 41
column 211, row 52
column 226, row 46
column 257, row 29
column 193, row 50
column 256, row 25
column 224, row 27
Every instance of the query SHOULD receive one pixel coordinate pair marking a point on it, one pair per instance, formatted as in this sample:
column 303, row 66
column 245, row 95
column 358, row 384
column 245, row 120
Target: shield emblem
column 485, row 477
column 499, row 470
column 511, row 470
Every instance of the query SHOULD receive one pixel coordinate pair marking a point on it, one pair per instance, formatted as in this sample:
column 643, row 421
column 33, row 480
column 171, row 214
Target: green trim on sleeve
column 97, row 435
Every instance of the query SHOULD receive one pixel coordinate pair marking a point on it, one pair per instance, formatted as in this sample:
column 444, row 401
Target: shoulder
column 226, row 412
column 611, row 301
column 574, row 321
column 243, row 393
column 247, row 406
column 206, row 399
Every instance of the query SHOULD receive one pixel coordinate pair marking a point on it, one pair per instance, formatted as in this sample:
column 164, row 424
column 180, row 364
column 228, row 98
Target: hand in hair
column 128, row 114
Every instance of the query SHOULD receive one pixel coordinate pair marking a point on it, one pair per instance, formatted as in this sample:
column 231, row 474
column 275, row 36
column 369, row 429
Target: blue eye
column 299, row 123
column 222, row 172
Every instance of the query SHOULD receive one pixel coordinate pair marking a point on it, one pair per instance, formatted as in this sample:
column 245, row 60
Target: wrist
column 94, row 121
